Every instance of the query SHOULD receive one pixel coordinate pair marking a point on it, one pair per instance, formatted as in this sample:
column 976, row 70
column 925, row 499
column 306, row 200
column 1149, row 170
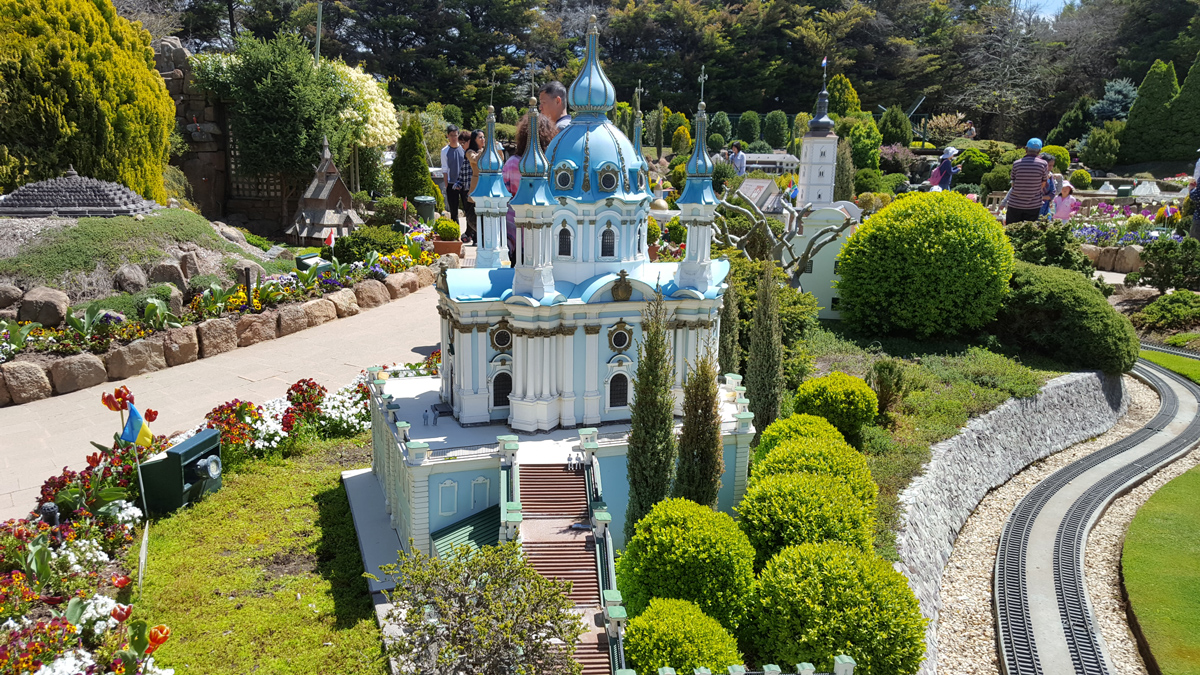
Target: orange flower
column 122, row 612
column 121, row 581
column 150, row 415
column 110, row 402
column 158, row 635
column 94, row 460
column 124, row 396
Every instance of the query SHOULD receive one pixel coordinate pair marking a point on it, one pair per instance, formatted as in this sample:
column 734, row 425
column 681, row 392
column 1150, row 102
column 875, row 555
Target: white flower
column 79, row 556
column 369, row 104
column 127, row 514
column 97, row 615
column 148, row 668
column 73, row 662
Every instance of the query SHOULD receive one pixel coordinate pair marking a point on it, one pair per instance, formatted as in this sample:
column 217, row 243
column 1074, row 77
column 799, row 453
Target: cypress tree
column 410, row 172
column 748, row 127
column 895, row 127
column 1185, row 117
column 764, row 367
column 701, row 456
column 775, row 129
column 1149, row 119
column 650, row 461
column 843, row 100
column 843, row 173
column 729, row 353
column 658, row 140
column 719, row 124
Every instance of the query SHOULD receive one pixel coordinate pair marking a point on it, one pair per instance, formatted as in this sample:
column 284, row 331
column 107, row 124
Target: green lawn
column 1189, row 368
column 265, row 575
column 1161, row 566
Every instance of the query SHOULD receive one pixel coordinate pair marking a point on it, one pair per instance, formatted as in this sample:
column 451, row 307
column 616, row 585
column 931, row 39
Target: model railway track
column 1044, row 623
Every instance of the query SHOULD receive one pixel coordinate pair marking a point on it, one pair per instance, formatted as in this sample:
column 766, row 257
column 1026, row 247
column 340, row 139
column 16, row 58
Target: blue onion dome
column 700, row 164
column 491, row 161
column 820, row 124
column 591, row 161
column 592, row 92
column 534, row 189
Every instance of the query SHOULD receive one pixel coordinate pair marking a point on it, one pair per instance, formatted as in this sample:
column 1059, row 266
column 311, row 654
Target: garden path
column 38, row 439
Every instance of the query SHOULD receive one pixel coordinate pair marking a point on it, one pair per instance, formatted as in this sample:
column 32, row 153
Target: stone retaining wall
column 987, row 452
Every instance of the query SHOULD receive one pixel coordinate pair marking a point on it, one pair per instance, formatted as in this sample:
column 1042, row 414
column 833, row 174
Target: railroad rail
column 1044, row 620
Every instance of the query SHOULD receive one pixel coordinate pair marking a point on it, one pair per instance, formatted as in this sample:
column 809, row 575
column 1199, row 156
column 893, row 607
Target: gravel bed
column 966, row 626
column 1102, row 562
column 14, row 232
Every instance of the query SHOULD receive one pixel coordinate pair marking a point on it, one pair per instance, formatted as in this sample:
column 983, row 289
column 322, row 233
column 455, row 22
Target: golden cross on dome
column 701, row 79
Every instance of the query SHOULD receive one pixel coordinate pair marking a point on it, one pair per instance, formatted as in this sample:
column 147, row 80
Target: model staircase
column 553, row 499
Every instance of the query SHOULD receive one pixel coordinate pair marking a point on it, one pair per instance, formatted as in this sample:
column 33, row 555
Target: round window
column 608, row 182
column 502, row 338
column 620, row 339
column 563, row 179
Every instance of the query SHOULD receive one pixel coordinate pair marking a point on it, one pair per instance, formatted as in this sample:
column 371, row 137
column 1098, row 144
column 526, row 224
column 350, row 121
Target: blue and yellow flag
column 136, row 431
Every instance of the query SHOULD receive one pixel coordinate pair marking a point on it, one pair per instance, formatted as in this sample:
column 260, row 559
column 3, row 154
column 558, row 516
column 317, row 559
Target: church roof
column 73, row 196
column 592, row 91
column 821, row 124
column 492, row 285
column 699, row 189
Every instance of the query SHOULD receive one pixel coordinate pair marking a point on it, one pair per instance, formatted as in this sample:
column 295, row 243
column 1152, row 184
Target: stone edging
column 25, row 381
column 990, row 450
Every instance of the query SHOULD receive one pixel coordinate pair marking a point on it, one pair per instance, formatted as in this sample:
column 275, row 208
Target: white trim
column 492, row 388
column 442, row 488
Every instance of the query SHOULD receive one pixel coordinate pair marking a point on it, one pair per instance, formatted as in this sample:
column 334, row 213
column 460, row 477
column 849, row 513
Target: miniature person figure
column 435, row 415
column 425, row 417
column 970, row 132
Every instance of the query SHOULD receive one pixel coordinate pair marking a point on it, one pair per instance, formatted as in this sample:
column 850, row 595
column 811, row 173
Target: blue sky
column 1049, row 8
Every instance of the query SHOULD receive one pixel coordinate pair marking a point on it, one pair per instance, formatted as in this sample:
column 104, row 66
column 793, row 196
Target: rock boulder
column 1107, row 259
column 25, row 381
column 5, row 399
column 400, row 285
column 216, row 336
column 131, row 279
column 9, row 296
column 189, row 262
column 77, row 372
column 319, row 311
column 292, row 319
column 1129, row 259
column 255, row 328
column 248, row 272
column 181, row 345
column 371, row 293
column 136, row 358
column 345, row 302
column 1092, row 252
column 47, row 306
column 425, row 275
column 168, row 273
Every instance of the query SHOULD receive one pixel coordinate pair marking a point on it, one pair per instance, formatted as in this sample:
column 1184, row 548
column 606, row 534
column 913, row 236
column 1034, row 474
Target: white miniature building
column 818, row 158
column 775, row 163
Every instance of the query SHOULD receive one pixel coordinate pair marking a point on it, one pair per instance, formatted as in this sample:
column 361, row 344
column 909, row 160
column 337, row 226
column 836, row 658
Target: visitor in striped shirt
column 1029, row 175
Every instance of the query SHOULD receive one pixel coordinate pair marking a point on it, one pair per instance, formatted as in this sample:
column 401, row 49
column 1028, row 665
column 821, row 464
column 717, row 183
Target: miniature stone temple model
column 326, row 210
column 73, row 196
column 818, row 158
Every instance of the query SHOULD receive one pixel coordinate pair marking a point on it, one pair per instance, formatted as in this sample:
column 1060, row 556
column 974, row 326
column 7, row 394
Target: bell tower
column 818, row 158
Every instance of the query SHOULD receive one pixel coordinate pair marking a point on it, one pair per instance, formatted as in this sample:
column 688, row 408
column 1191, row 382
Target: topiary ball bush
column 716, row 142
column 677, row 634
column 802, row 508
column 868, row 180
column 846, row 401
column 998, row 179
column 447, row 229
column 687, row 551
column 929, row 263
column 1061, row 314
column 895, row 183
column 798, row 425
column 833, row 459
column 676, row 231
column 1062, row 158
column 1080, row 179
column 759, row 148
column 653, row 231
column 816, row 601
column 974, row 164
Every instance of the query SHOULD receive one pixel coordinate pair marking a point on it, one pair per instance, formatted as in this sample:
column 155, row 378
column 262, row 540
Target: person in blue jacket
column 947, row 169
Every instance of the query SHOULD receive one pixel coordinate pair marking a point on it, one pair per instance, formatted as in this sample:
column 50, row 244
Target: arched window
column 618, row 391
column 564, row 242
column 501, row 388
column 608, row 244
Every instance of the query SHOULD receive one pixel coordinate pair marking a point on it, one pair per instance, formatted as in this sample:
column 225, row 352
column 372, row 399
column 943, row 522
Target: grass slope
column 1161, row 566
column 265, row 575
column 1189, row 368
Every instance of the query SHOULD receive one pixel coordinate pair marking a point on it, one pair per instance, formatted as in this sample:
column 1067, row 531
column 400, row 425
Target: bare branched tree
column 1005, row 64
column 160, row 17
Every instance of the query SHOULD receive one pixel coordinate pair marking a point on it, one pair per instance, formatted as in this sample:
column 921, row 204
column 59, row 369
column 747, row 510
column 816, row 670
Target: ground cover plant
column 1188, row 367
column 1160, row 564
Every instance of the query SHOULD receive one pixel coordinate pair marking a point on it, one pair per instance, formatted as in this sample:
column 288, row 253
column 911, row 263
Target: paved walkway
column 38, row 439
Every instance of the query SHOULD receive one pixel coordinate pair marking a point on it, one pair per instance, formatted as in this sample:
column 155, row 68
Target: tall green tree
column 1150, row 123
column 701, row 454
column 650, row 460
column 895, row 127
column 764, row 367
column 1076, row 122
column 720, row 125
column 1185, row 117
column 843, row 172
column 729, row 352
column 410, row 172
column 78, row 87
column 843, row 100
column 748, row 127
column 775, row 129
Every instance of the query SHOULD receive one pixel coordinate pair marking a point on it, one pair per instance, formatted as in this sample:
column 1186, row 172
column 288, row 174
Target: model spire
column 491, row 161
column 534, row 162
column 592, row 92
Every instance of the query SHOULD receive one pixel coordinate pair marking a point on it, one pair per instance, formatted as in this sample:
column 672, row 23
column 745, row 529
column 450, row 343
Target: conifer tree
column 1074, row 123
column 749, row 127
column 1185, row 117
column 895, row 127
column 410, row 173
column 650, row 460
column 701, row 456
column 719, row 124
column 843, row 173
column 775, row 129
column 658, row 139
column 843, row 100
column 1149, row 122
column 729, row 352
column 764, row 367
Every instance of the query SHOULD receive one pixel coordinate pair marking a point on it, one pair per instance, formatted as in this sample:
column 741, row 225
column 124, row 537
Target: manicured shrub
column 1062, row 158
column 1185, row 118
column 759, row 148
column 653, row 231
column 676, row 231
column 846, row 401
column 1061, row 314
column 687, row 551
column 974, row 164
column 390, row 209
column 1179, row 309
column 510, row 115
column 817, row 601
column 719, row 124
column 868, row 180
column 824, row 457
column 999, row 179
column 748, row 126
column 775, row 129
column 80, row 88
column 675, row 633
column 716, row 142
column 672, row 124
column 681, row 141
column 356, row 246
column 1102, row 149
column 764, row 362
column 1080, row 179
column 1051, row 244
column 1074, row 123
column 453, row 114
column 1167, row 263
column 843, row 100
column 864, row 144
column 967, row 188
column 895, row 183
column 843, row 173
column 895, row 127
column 802, row 508
column 722, row 172
column 410, row 172
column 796, row 426
column 930, row 263
column 1149, row 126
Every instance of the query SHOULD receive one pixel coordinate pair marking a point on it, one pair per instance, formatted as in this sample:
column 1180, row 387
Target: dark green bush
column 931, row 263
column 722, row 172
column 797, row 311
column 1180, row 309
column 967, row 188
column 749, row 127
column 356, row 246
column 759, row 148
column 895, row 127
column 1080, row 179
column 998, row 179
column 255, row 240
column 974, row 164
column 869, row 180
column 716, row 142
column 1103, row 148
column 390, row 209
column 132, row 305
column 653, row 231
column 687, row 551
column 676, row 634
column 775, row 129
column 802, row 508
column 676, row 231
column 1049, row 243
column 846, row 401
column 794, row 427
column 1167, row 263
column 1061, row 314
column 677, row 160
column 895, row 183
column 824, row 457
column 817, row 601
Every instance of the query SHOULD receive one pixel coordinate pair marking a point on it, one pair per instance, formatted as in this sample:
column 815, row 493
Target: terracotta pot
column 653, row 251
column 444, row 247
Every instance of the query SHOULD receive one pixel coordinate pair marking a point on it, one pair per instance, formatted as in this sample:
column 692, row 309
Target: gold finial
column 491, row 109
column 532, row 101
column 702, row 106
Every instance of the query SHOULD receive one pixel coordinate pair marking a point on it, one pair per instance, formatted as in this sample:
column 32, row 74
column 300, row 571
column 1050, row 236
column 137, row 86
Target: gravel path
column 1102, row 563
column 966, row 627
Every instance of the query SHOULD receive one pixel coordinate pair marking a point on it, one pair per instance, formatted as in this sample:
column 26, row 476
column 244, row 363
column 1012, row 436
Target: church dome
column 592, row 91
column 73, row 196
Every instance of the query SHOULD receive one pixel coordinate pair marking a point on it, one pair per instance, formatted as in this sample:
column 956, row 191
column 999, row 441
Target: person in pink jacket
column 1066, row 206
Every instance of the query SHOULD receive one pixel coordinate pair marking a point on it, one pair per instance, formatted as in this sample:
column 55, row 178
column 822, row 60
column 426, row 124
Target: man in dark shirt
column 453, row 161
column 1029, row 175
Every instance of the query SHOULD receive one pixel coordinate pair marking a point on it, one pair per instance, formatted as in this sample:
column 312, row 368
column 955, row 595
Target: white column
column 693, row 346
column 546, row 357
column 518, row 368
column 680, row 345
column 591, row 363
column 481, row 345
column 467, row 372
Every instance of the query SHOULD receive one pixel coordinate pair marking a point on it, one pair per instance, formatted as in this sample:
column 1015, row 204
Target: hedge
column 1061, row 314
column 974, row 164
column 932, row 263
column 802, row 508
column 816, row 601
column 687, row 551
column 1062, row 158
column 834, row 459
column 798, row 425
column 868, row 180
column 1148, row 130
column 676, row 633
column 846, row 401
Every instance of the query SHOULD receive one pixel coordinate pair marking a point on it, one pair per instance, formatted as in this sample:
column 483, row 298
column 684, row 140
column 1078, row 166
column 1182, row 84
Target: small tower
column 818, row 158
column 534, row 206
column 491, row 202
column 697, row 204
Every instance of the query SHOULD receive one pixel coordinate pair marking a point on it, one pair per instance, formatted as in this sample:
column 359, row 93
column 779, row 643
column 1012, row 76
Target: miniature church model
column 818, row 158
column 551, row 341
column 326, row 210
